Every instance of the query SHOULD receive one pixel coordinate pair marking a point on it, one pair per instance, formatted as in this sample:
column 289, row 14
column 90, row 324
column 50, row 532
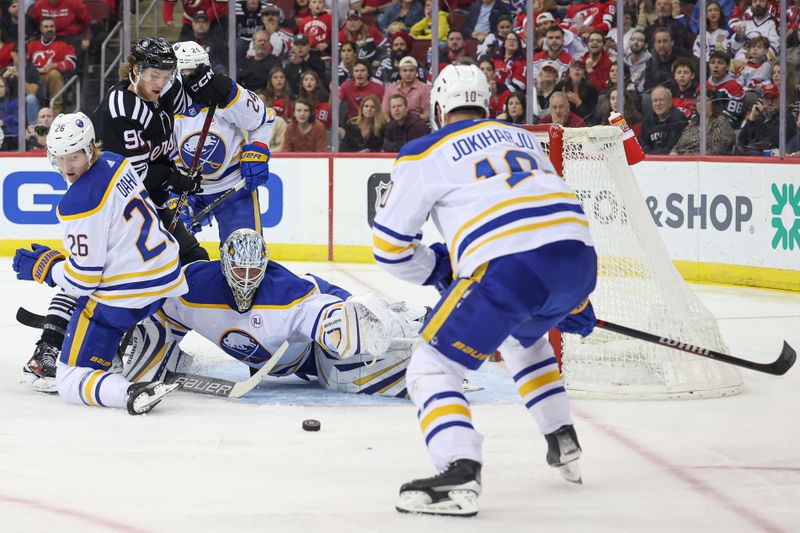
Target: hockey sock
column 434, row 384
column 87, row 386
column 58, row 315
column 538, row 380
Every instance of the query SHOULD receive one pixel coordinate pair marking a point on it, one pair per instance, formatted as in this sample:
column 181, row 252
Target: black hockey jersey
column 142, row 131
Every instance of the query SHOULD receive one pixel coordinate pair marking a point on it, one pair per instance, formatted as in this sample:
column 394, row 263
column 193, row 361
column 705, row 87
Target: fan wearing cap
column 248, row 21
column 215, row 10
column 318, row 26
column 367, row 37
column 761, row 130
column 280, row 38
column 417, row 93
column 120, row 265
column 213, row 42
column 389, row 69
column 301, row 59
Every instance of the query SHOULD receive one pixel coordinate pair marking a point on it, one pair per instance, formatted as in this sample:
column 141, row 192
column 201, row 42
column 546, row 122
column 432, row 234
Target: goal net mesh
column 638, row 286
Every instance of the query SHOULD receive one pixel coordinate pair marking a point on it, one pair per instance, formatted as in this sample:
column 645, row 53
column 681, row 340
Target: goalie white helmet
column 458, row 86
column 244, row 256
column 190, row 55
column 70, row 133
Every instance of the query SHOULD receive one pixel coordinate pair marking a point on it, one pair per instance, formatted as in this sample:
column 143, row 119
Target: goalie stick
column 194, row 171
column 780, row 366
column 223, row 387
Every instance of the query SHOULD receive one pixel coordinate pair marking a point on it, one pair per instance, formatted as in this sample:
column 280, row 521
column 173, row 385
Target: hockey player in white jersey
column 517, row 260
column 249, row 306
column 121, row 265
column 227, row 159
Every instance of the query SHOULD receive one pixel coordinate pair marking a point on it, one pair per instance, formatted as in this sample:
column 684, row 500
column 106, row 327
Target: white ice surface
column 205, row 464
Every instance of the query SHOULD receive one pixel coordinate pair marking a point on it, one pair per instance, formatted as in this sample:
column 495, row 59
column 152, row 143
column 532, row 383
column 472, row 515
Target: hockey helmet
column 190, row 55
column 457, row 87
column 154, row 52
column 69, row 133
column 244, row 256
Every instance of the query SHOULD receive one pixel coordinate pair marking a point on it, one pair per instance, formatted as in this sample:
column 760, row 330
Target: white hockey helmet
column 69, row 133
column 244, row 256
column 458, row 86
column 190, row 55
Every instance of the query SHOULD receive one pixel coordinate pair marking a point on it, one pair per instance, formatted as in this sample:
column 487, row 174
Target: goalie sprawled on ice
column 249, row 306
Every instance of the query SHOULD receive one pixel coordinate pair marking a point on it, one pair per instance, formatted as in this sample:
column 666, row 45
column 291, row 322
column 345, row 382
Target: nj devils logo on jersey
column 41, row 58
column 212, row 156
column 241, row 345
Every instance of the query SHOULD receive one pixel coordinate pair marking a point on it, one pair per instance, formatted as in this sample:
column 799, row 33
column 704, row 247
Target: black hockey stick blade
column 196, row 219
column 779, row 367
column 29, row 318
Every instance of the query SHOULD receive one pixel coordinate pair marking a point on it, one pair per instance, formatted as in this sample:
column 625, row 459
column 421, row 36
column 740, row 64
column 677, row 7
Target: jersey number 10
column 515, row 160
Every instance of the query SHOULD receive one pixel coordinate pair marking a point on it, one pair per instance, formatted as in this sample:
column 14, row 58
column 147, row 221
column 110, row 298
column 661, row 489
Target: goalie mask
column 244, row 256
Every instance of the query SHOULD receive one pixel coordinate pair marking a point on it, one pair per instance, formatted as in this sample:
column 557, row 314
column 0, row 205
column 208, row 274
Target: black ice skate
column 142, row 397
column 454, row 492
column 563, row 452
column 40, row 371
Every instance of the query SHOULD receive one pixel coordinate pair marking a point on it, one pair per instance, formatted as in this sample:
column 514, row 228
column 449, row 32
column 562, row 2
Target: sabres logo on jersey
column 212, row 156
column 242, row 346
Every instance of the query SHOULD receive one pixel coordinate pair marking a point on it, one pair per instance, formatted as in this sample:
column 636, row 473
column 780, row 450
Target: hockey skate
column 142, row 397
column 563, row 452
column 40, row 371
column 453, row 492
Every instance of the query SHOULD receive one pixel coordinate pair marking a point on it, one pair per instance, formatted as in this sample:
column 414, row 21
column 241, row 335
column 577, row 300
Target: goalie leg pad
column 352, row 328
column 152, row 350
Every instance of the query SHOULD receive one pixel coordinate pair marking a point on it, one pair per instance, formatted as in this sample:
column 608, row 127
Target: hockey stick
column 222, row 387
column 194, row 171
column 29, row 318
column 777, row 368
column 210, row 207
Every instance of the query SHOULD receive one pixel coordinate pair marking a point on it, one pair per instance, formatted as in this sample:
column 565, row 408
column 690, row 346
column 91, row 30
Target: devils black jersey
column 141, row 130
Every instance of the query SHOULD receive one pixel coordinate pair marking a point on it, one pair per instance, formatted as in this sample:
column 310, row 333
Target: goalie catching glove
column 36, row 264
column 580, row 320
column 255, row 165
column 358, row 326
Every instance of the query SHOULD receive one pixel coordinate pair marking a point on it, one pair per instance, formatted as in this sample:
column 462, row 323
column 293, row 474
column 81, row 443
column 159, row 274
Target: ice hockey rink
column 199, row 463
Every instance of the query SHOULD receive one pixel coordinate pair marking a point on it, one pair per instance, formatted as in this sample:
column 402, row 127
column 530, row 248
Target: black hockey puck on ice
column 311, row 425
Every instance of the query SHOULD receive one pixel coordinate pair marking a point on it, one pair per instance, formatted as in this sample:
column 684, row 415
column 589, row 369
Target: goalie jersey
column 223, row 145
column 285, row 307
column 491, row 192
column 118, row 251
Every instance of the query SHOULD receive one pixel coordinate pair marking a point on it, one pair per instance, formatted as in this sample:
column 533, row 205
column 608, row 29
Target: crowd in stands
column 283, row 51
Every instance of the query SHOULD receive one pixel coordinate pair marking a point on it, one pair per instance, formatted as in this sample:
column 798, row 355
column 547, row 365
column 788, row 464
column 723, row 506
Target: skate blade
column 470, row 387
column 145, row 404
column 460, row 502
column 571, row 472
column 46, row 385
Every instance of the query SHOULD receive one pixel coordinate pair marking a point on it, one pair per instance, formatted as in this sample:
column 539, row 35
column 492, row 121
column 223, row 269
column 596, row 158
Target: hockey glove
column 208, row 88
column 179, row 182
column 36, row 264
column 580, row 320
column 442, row 275
column 255, row 165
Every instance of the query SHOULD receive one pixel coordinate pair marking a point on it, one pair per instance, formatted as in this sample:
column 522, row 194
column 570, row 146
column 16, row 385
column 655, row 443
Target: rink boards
column 724, row 220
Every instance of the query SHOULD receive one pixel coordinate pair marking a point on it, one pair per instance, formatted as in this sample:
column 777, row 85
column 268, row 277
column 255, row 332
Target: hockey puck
column 311, row 425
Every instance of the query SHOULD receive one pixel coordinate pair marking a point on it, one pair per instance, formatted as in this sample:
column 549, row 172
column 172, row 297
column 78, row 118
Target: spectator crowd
column 284, row 51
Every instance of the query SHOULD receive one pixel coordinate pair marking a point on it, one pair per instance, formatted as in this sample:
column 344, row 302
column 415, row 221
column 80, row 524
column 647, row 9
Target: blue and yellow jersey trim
column 89, row 194
column 512, row 217
column 390, row 246
column 422, row 147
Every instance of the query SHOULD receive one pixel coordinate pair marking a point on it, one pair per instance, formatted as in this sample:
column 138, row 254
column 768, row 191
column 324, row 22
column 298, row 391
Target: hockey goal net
column 638, row 286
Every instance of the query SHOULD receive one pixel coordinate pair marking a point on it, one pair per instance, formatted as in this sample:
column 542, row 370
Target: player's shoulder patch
column 87, row 195
column 282, row 288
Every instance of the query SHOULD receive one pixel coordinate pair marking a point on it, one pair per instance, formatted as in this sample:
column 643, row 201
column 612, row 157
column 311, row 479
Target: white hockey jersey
column 119, row 252
column 490, row 190
column 285, row 307
column 223, row 145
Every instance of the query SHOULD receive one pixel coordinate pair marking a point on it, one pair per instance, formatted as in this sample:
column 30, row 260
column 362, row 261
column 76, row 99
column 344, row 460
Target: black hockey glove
column 208, row 88
column 179, row 182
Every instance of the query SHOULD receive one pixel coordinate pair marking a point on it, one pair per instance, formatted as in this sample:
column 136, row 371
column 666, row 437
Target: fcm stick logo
column 32, row 197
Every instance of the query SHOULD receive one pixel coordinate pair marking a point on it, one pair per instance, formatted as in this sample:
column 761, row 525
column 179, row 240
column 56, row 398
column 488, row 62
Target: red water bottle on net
column 633, row 151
